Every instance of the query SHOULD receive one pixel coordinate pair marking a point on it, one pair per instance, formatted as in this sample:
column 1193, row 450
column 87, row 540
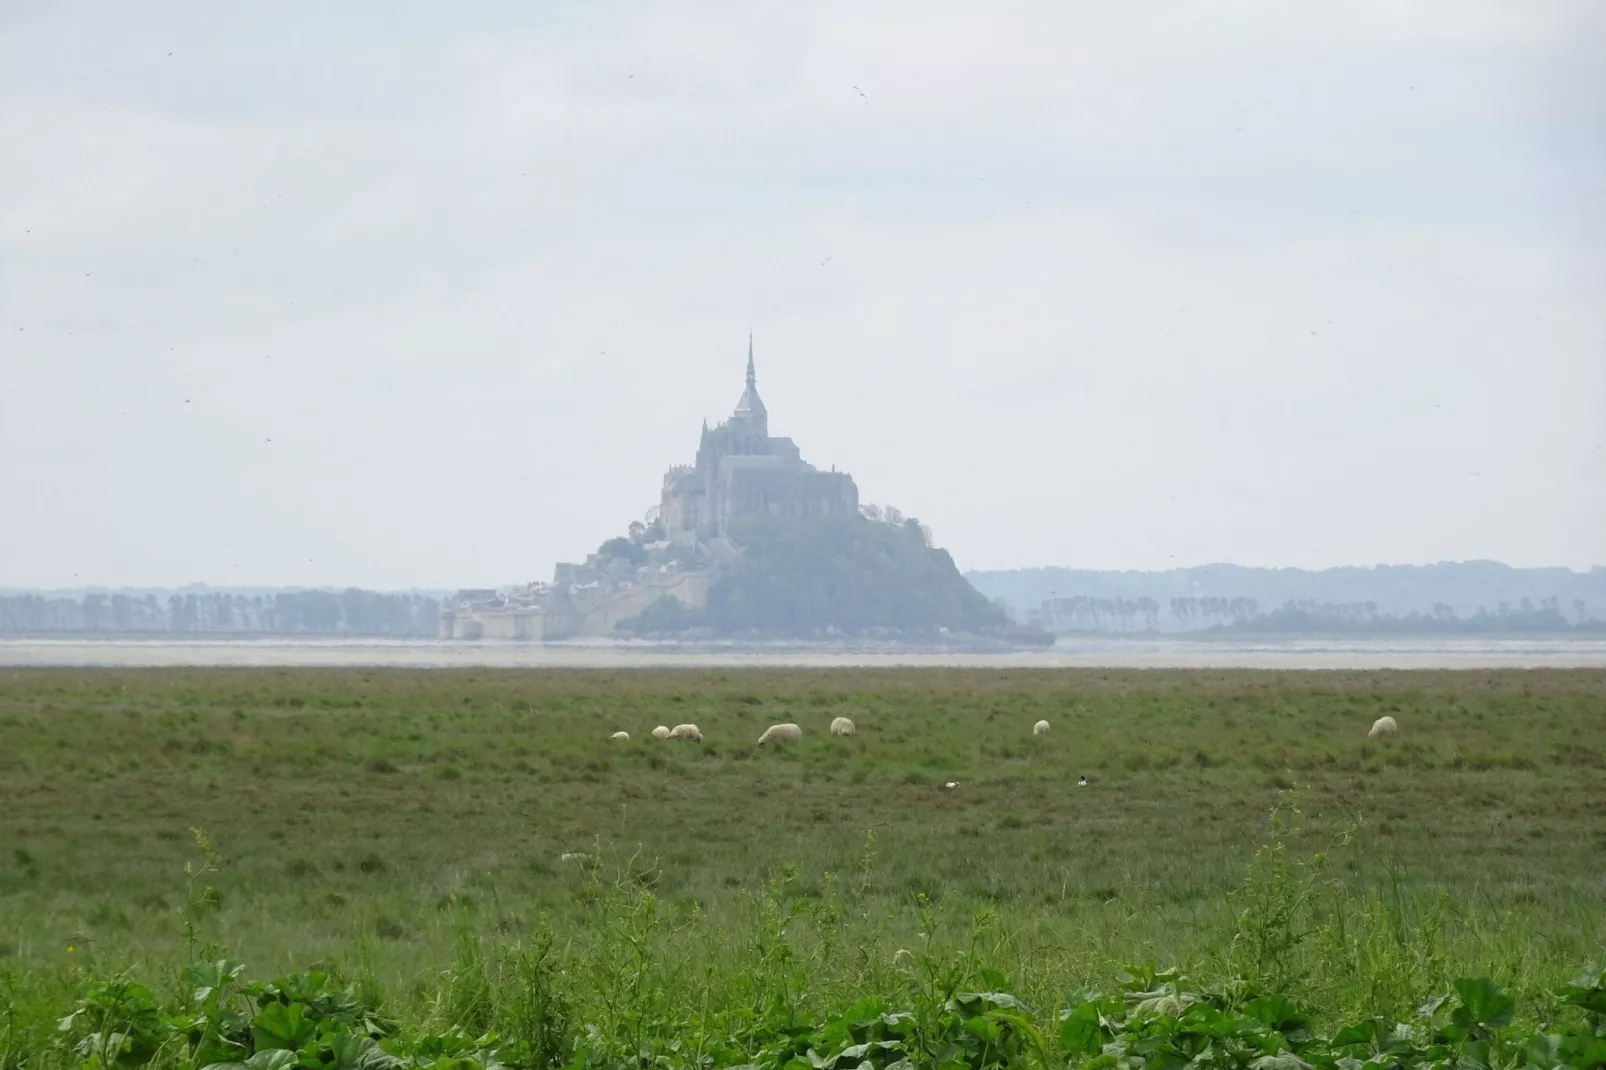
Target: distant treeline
column 348, row 612
column 1092, row 614
column 1086, row 613
column 1318, row 617
column 1216, row 595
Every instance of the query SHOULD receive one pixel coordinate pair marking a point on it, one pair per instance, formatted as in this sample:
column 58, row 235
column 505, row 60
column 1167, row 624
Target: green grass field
column 410, row 828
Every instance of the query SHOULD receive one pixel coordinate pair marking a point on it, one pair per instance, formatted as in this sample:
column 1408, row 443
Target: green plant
column 116, row 1023
column 199, row 895
column 1278, row 904
column 539, row 1015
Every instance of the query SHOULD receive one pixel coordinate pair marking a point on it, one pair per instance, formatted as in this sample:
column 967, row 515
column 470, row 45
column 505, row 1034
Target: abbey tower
column 741, row 470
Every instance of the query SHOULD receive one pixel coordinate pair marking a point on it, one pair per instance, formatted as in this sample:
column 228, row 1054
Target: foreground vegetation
column 460, row 865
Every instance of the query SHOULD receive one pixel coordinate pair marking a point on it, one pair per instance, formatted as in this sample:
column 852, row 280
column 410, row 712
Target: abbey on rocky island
column 742, row 470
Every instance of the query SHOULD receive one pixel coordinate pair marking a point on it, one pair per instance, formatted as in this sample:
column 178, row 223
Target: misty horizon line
column 202, row 585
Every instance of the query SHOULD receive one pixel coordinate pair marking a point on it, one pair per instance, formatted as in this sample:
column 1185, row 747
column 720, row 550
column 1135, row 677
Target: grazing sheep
column 1040, row 728
column 620, row 737
column 778, row 733
column 1384, row 728
column 841, row 726
column 686, row 731
column 950, row 785
column 1081, row 782
column 661, row 732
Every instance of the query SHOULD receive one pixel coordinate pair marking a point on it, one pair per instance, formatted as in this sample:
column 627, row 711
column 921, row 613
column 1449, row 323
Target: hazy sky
column 396, row 294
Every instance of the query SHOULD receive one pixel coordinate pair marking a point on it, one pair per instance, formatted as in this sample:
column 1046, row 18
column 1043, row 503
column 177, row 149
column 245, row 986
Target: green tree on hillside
column 802, row 577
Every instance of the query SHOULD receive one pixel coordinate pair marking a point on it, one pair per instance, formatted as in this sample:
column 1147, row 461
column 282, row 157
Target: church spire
column 750, row 408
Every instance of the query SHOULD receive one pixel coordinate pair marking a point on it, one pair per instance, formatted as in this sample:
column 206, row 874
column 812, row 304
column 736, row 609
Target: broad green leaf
column 1543, row 1051
column 1587, row 990
column 1166, row 1000
column 1203, row 1019
column 1079, row 1032
column 1166, row 1059
column 1371, row 1032
column 1284, row 1060
column 277, row 1059
column 272, row 1060
column 1353, row 1035
column 1431, row 1007
column 1279, row 1013
column 1474, row 1056
column 863, row 1011
column 205, row 978
column 1584, row 1050
column 1483, row 1003
column 280, row 1025
column 352, row 1052
column 980, row 1002
column 450, row 1062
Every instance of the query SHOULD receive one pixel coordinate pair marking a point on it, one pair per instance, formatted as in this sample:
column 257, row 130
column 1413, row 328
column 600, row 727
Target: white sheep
column 778, row 733
column 686, row 731
column 1384, row 728
column 661, row 732
column 1040, row 728
column 841, row 726
column 620, row 737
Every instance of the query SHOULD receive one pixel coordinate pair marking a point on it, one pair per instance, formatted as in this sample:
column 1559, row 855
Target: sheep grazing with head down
column 841, row 726
column 1040, row 728
column 687, row 732
column 780, row 733
column 620, row 737
column 661, row 732
column 1384, row 728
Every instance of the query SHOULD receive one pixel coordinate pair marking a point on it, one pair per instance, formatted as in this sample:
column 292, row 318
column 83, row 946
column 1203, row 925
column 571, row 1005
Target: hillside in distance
column 1458, row 588
column 826, row 576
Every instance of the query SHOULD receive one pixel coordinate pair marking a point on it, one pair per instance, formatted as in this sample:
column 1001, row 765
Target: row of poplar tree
column 348, row 612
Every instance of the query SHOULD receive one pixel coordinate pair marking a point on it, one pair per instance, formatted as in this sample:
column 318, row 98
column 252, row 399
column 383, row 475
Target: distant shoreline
column 1299, row 653
column 1201, row 636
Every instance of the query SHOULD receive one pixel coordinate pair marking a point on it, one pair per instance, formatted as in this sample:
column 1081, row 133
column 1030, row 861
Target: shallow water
column 1392, row 653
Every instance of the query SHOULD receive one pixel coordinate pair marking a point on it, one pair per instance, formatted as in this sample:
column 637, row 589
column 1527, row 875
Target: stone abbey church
column 742, row 470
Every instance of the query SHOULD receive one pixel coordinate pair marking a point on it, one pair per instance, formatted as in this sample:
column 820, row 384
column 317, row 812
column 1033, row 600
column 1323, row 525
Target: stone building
column 741, row 470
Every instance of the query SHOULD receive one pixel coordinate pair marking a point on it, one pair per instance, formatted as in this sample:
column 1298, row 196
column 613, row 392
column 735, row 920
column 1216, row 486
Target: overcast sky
column 396, row 294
